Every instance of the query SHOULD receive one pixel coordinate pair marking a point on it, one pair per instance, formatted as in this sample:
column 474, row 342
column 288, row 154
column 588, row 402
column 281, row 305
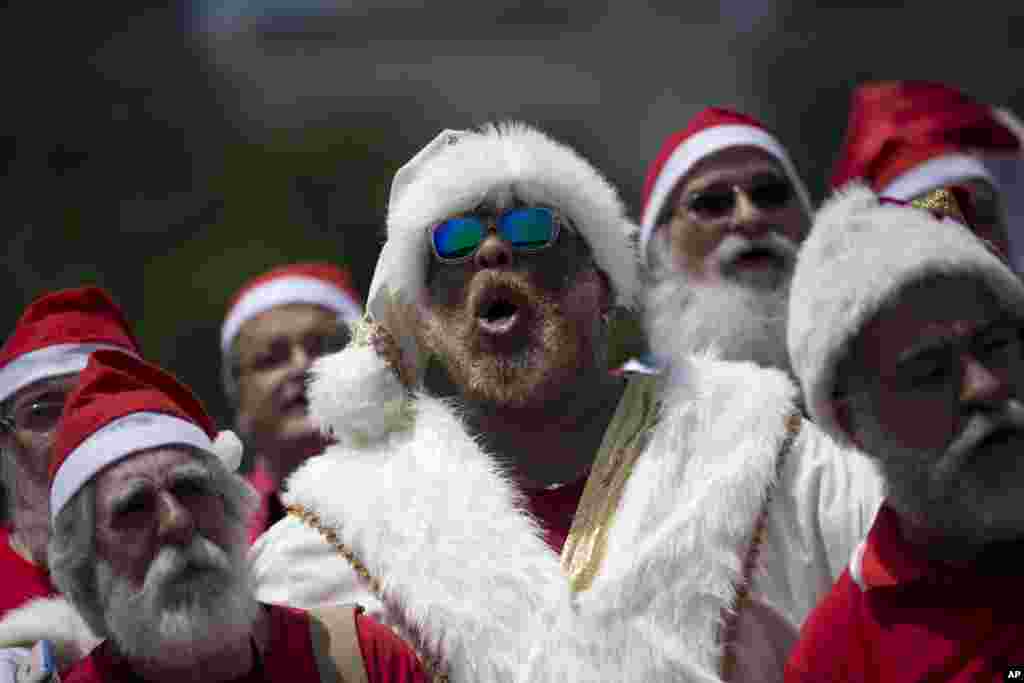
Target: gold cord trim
column 731, row 618
column 431, row 664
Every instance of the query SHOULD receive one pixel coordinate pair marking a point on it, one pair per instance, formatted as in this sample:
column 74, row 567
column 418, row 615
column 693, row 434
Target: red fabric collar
column 888, row 560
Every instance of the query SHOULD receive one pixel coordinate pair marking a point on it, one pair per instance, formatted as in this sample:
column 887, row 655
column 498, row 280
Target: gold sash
column 624, row 441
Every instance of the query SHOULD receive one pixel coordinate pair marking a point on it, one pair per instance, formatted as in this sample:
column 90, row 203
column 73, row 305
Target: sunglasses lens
column 458, row 237
column 712, row 204
column 528, row 228
column 772, row 195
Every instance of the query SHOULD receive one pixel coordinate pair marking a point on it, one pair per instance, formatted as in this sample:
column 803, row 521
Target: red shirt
column 270, row 509
column 21, row 580
column 555, row 509
column 289, row 657
column 906, row 618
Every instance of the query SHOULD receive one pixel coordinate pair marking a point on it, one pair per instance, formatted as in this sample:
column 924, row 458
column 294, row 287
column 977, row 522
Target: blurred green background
column 169, row 153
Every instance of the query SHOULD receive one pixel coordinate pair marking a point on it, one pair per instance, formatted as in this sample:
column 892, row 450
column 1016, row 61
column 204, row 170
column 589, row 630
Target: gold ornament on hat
column 942, row 202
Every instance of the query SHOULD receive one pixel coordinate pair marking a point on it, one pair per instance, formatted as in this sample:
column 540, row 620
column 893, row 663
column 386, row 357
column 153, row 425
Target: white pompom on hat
column 861, row 253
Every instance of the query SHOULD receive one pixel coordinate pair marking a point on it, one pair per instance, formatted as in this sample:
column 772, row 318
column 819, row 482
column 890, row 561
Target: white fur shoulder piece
column 433, row 519
column 52, row 619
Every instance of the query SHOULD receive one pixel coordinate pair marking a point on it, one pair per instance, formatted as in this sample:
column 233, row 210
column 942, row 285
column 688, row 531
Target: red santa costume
column 894, row 615
column 53, row 337
column 406, row 506
column 320, row 284
column 123, row 406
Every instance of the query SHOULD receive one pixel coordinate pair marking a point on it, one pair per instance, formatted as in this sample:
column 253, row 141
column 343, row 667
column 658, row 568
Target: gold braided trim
column 943, row 202
column 366, row 332
column 742, row 599
column 431, row 664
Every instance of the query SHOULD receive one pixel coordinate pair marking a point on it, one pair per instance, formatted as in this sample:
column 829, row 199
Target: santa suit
column 289, row 656
column 23, row 581
column 462, row 567
column 896, row 616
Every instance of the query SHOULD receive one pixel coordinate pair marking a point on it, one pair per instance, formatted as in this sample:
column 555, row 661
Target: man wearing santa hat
column 907, row 138
column 724, row 211
column 39, row 366
column 148, row 544
column 906, row 332
column 519, row 512
column 276, row 325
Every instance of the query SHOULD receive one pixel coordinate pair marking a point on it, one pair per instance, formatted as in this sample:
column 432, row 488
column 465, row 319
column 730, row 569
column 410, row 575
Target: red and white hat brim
column 47, row 362
column 937, row 172
column 296, row 289
column 116, row 440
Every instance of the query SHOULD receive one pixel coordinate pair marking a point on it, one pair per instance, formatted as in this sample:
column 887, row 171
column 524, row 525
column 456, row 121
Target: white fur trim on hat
column 452, row 178
column 859, row 256
column 229, row 449
column 49, row 361
column 116, row 440
column 701, row 146
column 291, row 289
column 937, row 172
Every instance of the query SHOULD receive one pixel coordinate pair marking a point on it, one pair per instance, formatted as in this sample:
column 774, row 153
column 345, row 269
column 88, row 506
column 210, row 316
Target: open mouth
column 758, row 258
column 499, row 311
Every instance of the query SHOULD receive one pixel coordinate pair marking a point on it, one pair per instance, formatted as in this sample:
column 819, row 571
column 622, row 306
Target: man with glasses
column 724, row 211
column 39, row 366
column 276, row 325
column 908, row 138
column 905, row 330
column 519, row 511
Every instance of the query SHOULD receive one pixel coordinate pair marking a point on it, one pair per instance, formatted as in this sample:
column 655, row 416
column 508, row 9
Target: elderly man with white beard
column 724, row 212
column 517, row 510
column 149, row 546
column 906, row 331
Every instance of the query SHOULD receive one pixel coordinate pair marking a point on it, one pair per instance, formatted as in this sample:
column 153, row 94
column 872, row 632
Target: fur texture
column 429, row 514
column 51, row 619
column 455, row 177
column 858, row 257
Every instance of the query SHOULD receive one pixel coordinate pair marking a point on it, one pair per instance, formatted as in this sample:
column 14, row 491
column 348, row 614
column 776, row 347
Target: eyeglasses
column 529, row 228
column 39, row 417
column 718, row 201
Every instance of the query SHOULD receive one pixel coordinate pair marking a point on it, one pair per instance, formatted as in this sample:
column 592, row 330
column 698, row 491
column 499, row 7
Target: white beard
column 180, row 619
column 738, row 322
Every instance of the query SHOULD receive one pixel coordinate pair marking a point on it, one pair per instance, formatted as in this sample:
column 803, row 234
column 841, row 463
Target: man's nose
column 494, row 252
column 980, row 384
column 748, row 219
column 176, row 522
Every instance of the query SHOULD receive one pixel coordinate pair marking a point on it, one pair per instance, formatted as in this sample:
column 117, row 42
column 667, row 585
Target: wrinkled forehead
column 155, row 465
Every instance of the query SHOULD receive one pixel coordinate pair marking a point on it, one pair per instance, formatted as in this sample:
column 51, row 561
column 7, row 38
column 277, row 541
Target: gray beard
column 737, row 322
column 969, row 496
column 177, row 619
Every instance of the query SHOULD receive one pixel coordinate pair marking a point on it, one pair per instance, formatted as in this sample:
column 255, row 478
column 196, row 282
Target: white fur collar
column 430, row 515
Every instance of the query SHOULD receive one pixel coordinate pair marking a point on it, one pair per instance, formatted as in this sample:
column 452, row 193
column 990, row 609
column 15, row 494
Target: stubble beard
column 538, row 371
column 176, row 619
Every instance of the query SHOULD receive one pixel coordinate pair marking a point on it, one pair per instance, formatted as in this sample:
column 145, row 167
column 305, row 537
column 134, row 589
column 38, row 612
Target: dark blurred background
column 170, row 153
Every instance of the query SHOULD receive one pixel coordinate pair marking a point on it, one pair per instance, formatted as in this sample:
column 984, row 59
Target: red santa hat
column 56, row 334
column 301, row 283
column 861, row 253
column 709, row 132
column 123, row 405
column 905, row 138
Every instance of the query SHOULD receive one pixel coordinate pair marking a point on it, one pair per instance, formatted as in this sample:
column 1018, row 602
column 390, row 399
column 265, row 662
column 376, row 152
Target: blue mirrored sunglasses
column 529, row 228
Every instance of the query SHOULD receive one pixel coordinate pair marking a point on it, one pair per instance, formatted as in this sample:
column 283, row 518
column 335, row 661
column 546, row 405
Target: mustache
column 173, row 563
column 982, row 426
column 733, row 246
